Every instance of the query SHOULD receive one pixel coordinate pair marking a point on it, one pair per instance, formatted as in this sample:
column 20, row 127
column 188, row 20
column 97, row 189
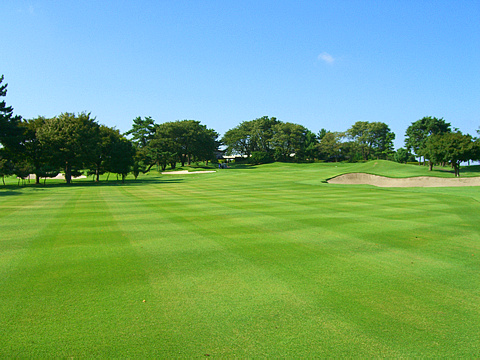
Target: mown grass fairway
column 256, row 262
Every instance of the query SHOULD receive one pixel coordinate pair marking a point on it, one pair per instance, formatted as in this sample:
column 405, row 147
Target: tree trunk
column 456, row 167
column 37, row 179
column 97, row 175
column 430, row 165
column 68, row 173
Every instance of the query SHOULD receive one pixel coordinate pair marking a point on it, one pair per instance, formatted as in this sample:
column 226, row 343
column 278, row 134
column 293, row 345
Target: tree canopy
column 452, row 147
column 10, row 131
column 418, row 132
column 71, row 141
column 373, row 139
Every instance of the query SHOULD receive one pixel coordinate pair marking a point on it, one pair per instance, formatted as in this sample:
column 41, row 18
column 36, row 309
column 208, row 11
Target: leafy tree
column 71, row 140
column 10, row 131
column 418, row 132
column 142, row 131
column 403, row 156
column 161, row 152
column 349, row 151
column 373, row 139
column 260, row 157
column 34, row 151
column 360, row 133
column 262, row 134
column 206, row 145
column 188, row 139
column 453, row 147
column 381, row 140
column 322, row 133
column 309, row 151
column 287, row 139
column 239, row 139
column 106, row 152
column 120, row 158
column 330, row 145
column 6, row 165
column 22, row 169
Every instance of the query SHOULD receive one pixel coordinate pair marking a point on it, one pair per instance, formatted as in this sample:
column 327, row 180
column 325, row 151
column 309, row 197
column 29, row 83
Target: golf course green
column 251, row 261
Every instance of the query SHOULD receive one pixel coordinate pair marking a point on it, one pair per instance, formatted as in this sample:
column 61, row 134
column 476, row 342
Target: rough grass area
column 264, row 261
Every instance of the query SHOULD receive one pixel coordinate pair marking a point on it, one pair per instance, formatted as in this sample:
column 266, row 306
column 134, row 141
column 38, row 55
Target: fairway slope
column 418, row 181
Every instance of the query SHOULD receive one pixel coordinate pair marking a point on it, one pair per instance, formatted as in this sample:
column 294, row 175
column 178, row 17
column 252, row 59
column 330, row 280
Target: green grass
column 264, row 261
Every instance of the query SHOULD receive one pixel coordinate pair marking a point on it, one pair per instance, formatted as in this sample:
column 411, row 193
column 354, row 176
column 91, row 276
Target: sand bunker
column 420, row 181
column 186, row 172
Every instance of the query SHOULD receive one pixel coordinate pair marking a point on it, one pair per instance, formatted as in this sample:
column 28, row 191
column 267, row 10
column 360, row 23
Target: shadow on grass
column 10, row 189
column 8, row 192
column 470, row 169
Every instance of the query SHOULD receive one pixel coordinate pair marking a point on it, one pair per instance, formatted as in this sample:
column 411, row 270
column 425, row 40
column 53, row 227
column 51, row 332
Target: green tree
column 120, row 158
column 11, row 134
column 142, row 131
column 402, row 155
column 33, row 150
column 206, row 145
column 322, row 133
column 373, row 139
column 452, row 147
column 381, row 140
column 309, row 151
column 6, row 164
column 161, row 151
column 106, row 151
column 288, row 140
column 329, row 147
column 239, row 139
column 71, row 140
column 262, row 134
column 418, row 132
column 22, row 169
column 252, row 136
column 188, row 139
column 360, row 133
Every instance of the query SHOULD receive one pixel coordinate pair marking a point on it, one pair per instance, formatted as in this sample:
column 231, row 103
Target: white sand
column 420, row 181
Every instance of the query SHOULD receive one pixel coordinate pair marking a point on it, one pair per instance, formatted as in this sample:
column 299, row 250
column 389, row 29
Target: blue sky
column 322, row 64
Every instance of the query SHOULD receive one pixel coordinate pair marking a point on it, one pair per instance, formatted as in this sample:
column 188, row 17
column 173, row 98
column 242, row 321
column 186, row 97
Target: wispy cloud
column 329, row 59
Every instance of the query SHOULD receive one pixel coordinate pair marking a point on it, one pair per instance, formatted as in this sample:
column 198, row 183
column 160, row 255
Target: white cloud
column 326, row 57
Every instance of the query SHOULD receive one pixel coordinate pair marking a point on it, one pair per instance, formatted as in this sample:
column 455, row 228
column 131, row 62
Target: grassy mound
column 264, row 261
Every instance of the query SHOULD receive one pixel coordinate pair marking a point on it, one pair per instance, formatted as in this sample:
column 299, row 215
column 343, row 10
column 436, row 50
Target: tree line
column 73, row 143
column 268, row 139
